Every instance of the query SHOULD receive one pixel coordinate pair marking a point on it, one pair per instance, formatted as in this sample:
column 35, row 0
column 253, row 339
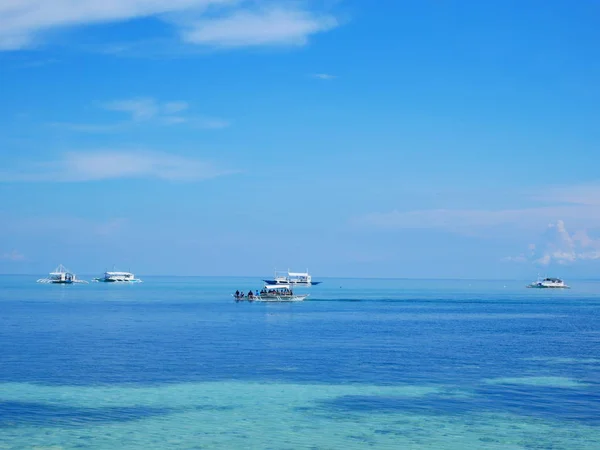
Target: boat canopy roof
column 274, row 287
column 298, row 274
column 558, row 280
column 119, row 273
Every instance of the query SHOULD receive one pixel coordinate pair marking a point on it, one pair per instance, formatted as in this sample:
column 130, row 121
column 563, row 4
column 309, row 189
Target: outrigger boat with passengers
column 61, row 275
column 295, row 278
column 271, row 293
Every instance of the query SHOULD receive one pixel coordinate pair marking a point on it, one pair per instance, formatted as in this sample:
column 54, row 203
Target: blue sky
column 353, row 138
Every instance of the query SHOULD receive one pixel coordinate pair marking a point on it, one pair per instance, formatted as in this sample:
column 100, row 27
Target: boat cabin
column 119, row 276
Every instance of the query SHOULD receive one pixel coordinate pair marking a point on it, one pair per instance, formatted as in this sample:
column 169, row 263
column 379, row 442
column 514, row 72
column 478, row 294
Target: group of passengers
column 252, row 295
column 283, row 291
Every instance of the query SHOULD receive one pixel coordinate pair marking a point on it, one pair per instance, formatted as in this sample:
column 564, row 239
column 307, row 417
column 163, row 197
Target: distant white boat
column 61, row 275
column 118, row 277
column 293, row 278
column 271, row 293
column 548, row 283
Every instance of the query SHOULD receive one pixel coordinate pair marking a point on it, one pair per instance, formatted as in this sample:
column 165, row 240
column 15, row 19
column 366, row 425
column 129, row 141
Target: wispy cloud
column 270, row 26
column 111, row 164
column 34, row 63
column 468, row 220
column 62, row 227
column 174, row 107
column 324, row 76
column 581, row 194
column 144, row 110
column 139, row 108
column 12, row 256
column 573, row 204
column 208, row 123
column 215, row 23
column 89, row 127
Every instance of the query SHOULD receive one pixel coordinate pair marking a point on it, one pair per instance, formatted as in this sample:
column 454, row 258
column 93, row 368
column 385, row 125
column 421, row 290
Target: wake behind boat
column 271, row 293
column 292, row 278
column 61, row 275
column 549, row 283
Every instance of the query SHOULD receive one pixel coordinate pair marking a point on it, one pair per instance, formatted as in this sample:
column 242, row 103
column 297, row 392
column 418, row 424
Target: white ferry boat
column 549, row 283
column 61, row 275
column 118, row 277
column 293, row 278
column 271, row 293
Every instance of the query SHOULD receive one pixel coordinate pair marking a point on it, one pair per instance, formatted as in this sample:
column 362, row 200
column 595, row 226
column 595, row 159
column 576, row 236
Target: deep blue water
column 486, row 349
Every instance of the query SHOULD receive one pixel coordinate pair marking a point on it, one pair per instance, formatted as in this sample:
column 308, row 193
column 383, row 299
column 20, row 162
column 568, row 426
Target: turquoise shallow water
column 176, row 363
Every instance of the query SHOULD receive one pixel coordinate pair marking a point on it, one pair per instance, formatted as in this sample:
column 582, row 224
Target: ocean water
column 388, row 364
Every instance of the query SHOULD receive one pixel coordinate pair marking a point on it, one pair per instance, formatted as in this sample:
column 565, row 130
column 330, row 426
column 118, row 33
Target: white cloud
column 579, row 206
column 24, row 22
column 324, row 76
column 563, row 247
column 274, row 26
column 559, row 246
column 105, row 165
column 12, row 256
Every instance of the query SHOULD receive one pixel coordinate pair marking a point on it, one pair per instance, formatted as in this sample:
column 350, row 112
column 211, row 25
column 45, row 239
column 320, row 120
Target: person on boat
column 237, row 294
column 257, row 294
column 250, row 294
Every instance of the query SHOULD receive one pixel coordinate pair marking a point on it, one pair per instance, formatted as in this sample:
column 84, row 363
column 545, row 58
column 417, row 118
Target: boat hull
column 272, row 299
column 547, row 287
column 46, row 281
column 108, row 280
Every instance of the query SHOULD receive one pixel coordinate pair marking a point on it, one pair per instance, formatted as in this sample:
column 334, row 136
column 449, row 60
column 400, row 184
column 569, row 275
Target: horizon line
column 320, row 278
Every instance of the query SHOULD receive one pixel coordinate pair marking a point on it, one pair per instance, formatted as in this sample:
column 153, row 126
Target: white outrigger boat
column 118, row 277
column 61, row 275
column 295, row 278
column 271, row 293
column 548, row 283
